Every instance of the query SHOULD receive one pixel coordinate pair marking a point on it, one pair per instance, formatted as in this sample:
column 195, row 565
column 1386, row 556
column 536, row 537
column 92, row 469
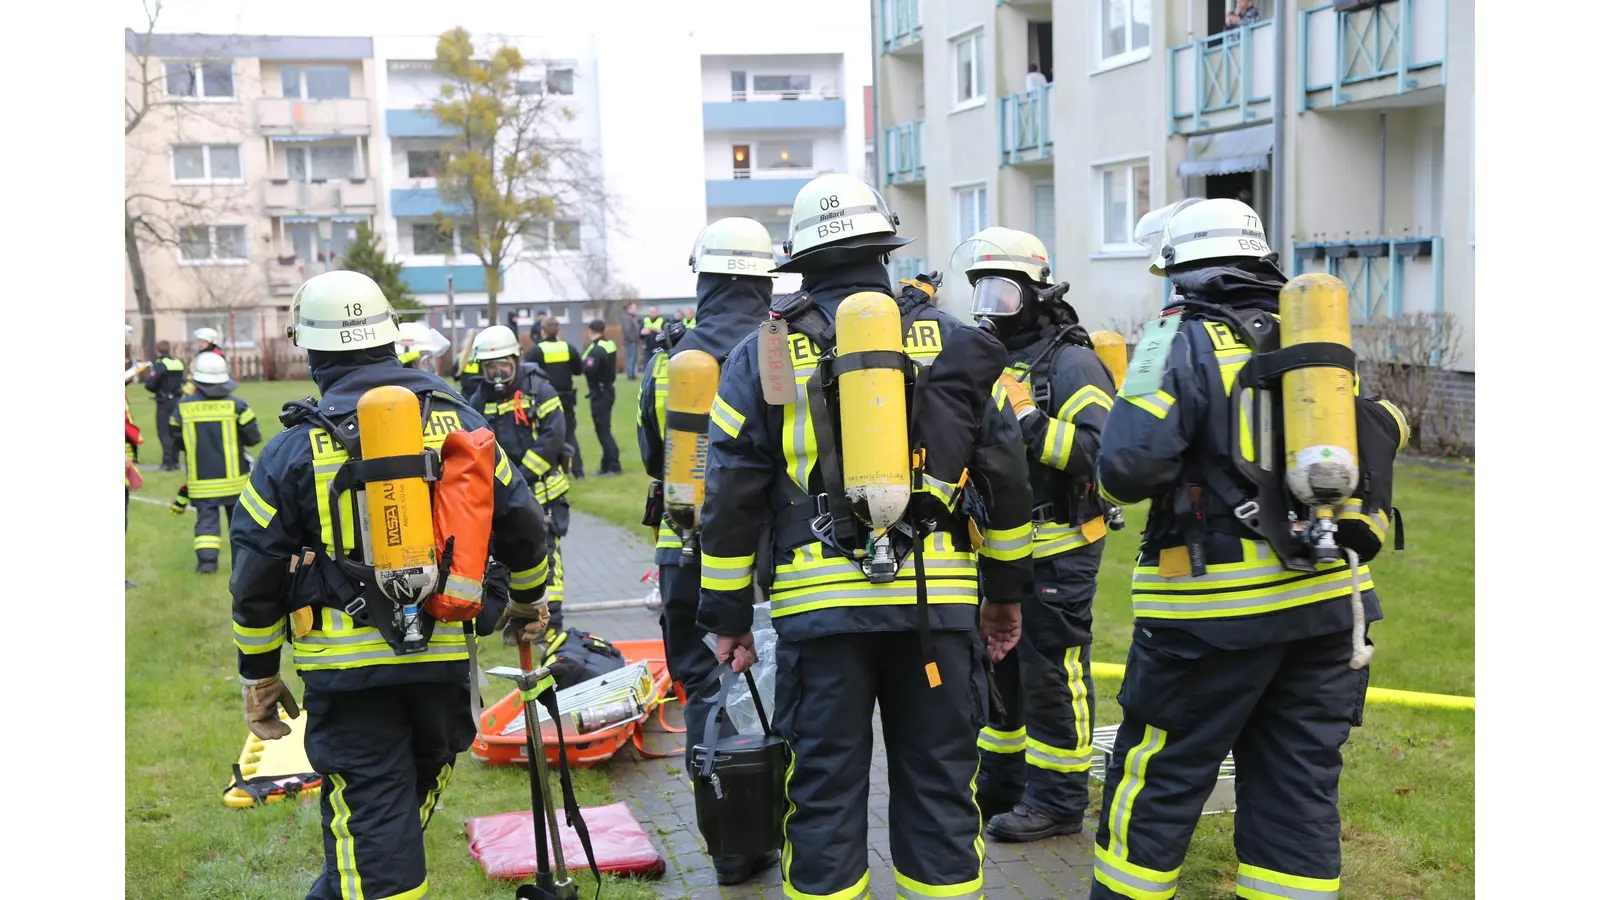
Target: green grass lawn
column 1407, row 793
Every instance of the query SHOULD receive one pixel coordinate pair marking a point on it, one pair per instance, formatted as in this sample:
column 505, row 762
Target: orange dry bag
column 463, row 511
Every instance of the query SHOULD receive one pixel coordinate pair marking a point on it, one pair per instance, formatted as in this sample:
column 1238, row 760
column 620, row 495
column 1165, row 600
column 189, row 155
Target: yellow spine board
column 400, row 509
column 691, row 389
column 872, row 410
column 1319, row 413
column 1112, row 349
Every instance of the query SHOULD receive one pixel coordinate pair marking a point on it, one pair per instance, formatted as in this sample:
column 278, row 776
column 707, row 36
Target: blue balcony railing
column 1025, row 126
column 1220, row 81
column 763, row 115
column 902, row 156
column 753, row 191
column 1386, row 277
column 1400, row 39
column 469, row 279
column 415, row 123
column 901, row 24
column 907, row 268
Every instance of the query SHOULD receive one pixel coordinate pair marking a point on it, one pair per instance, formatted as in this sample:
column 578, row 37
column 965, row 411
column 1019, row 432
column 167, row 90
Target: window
column 315, row 82
column 234, row 330
column 200, row 79
column 1124, row 31
column 791, row 86
column 428, row 238
column 530, row 87
column 212, row 243
column 335, row 163
column 968, row 54
column 564, row 235
column 783, row 155
column 424, row 163
column 206, row 162
column 972, row 210
column 559, row 81
column 344, row 234
column 1124, row 198
column 741, row 160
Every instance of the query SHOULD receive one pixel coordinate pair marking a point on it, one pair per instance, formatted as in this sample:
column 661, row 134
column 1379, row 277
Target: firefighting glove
column 1020, row 395
column 524, row 621
column 262, row 697
column 179, row 506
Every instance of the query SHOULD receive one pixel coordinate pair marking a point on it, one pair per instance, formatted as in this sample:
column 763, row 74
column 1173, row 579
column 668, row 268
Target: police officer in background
column 600, row 370
column 560, row 362
column 213, row 429
column 165, row 382
column 525, row 413
column 1036, row 751
column 909, row 645
column 1232, row 649
column 654, row 324
column 384, row 729
column 733, row 260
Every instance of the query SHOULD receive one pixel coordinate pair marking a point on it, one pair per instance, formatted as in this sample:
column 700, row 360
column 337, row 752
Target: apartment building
column 1359, row 157
column 248, row 171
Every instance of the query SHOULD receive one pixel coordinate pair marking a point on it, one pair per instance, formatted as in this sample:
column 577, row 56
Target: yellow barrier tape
column 1374, row 694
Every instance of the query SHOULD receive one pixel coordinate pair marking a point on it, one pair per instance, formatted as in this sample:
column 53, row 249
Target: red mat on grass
column 504, row 843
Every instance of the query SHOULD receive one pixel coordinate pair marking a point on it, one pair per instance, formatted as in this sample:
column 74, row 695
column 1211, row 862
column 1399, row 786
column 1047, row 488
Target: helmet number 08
column 830, row 202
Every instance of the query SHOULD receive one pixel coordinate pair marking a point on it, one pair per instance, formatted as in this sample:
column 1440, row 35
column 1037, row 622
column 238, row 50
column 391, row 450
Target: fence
column 252, row 339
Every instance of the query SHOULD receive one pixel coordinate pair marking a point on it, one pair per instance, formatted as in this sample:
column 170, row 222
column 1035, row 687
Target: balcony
column 415, row 123
column 419, row 203
column 1386, row 277
column 280, row 197
column 1376, row 53
column 753, row 191
column 1220, row 81
column 1025, row 127
column 905, row 269
column 767, row 111
column 902, row 157
column 283, row 279
column 342, row 118
column 900, row 24
column 431, row 279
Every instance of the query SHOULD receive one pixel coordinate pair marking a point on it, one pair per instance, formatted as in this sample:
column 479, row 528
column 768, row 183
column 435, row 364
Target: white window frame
column 300, row 92
column 985, row 219
column 796, row 172
column 211, row 240
column 358, row 162
column 455, row 239
column 1130, row 248
column 205, row 152
column 1128, row 57
column 980, row 95
column 548, row 246
column 198, row 68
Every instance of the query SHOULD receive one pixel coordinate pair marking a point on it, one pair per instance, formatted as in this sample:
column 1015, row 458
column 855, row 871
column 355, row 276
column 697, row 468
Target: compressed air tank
column 691, row 387
column 1112, row 349
column 872, row 411
column 399, row 510
column 1319, row 412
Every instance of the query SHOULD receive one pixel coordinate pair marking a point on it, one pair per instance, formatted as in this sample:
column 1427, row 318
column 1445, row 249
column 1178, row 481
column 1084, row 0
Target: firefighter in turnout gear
column 562, row 363
column 525, row 413
column 733, row 260
column 1036, row 750
column 886, row 616
column 213, row 428
column 600, row 370
column 419, row 347
column 165, row 382
column 205, row 341
column 1242, row 638
column 384, row 727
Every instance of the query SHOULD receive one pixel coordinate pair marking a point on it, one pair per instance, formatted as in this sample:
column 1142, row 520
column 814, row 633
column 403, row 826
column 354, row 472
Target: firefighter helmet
column 1152, row 228
column 341, row 310
column 495, row 342
column 209, row 335
column 837, row 212
column 1213, row 229
column 209, row 368
column 733, row 246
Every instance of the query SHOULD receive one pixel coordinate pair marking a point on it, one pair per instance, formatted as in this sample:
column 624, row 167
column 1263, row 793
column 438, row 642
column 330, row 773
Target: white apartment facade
column 1144, row 102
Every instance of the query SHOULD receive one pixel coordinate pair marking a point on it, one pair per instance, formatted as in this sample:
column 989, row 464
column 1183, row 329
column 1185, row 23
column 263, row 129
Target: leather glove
column 524, row 622
column 1020, row 396
column 261, row 699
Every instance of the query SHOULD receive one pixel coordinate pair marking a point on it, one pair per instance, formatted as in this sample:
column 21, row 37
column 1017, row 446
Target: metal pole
column 1280, row 159
column 1383, row 171
column 455, row 336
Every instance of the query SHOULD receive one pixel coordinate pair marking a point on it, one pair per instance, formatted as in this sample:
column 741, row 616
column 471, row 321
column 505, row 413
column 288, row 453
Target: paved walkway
column 603, row 562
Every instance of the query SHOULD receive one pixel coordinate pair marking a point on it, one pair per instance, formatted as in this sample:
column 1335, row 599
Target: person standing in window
column 1035, row 77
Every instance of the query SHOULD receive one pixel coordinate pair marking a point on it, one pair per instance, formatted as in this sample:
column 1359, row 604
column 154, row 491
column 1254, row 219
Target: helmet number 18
column 352, row 309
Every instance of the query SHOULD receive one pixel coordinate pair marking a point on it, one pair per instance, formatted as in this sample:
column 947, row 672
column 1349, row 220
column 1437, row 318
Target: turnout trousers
column 826, row 689
column 558, row 516
column 569, row 408
column 600, row 403
column 689, row 660
column 1284, row 709
column 385, row 754
column 168, row 432
column 1037, row 749
column 208, row 539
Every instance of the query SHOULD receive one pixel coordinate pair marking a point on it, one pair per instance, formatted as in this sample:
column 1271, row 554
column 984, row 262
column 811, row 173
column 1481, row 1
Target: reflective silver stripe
column 753, row 254
column 435, row 649
column 1157, row 401
column 1133, row 881
column 1059, row 758
column 530, row 579
column 443, row 631
column 259, row 640
column 1211, row 577
column 836, row 214
column 1058, row 440
column 726, row 572
column 802, row 419
column 304, row 322
column 990, row 740
column 327, row 468
column 906, row 593
column 1216, row 233
column 1016, row 543
column 944, row 491
column 1281, row 890
column 844, row 568
column 463, row 587
column 1142, row 604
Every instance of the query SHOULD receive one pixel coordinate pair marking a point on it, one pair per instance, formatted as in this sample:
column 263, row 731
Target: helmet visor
column 996, row 296
column 499, row 371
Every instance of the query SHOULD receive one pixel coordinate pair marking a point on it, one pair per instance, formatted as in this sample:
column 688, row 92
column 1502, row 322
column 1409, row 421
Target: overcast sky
column 364, row 17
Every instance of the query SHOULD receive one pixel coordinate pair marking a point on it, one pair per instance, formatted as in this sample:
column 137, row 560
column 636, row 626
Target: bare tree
column 1406, row 358
column 597, row 277
column 1131, row 329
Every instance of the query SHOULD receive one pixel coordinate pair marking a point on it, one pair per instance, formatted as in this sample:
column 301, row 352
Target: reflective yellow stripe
column 725, row 417
column 502, row 466
column 528, row 579
column 260, row 510
column 997, row 741
column 1400, row 420
column 1105, row 495
column 1008, row 543
column 248, row 416
column 551, row 487
column 1379, row 522
column 432, row 797
column 1252, row 587
column 1247, row 428
column 910, row 889
column 1057, row 443
column 859, row 889
column 726, row 573
column 207, row 542
column 1085, row 397
column 1057, row 759
column 344, row 843
column 1053, row 538
column 1157, row 404
column 944, row 491
column 535, row 463
column 549, row 407
column 555, row 588
column 258, row 640
column 463, row 587
column 1078, row 693
column 1129, row 880
column 1256, row 883
column 667, row 539
column 659, row 373
column 812, row 580
column 1134, row 767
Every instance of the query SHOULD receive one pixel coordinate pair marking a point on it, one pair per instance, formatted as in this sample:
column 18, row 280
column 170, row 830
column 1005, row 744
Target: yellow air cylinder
column 872, row 412
column 1112, row 349
column 399, row 510
column 1319, row 412
column 691, row 387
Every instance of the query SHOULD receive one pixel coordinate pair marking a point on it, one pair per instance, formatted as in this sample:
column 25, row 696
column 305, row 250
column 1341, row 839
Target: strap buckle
column 1247, row 510
column 1044, row 513
column 354, row 607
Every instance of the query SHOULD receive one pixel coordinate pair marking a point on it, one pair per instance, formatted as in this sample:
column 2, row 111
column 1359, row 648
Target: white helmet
column 495, row 342
column 341, row 310
column 997, row 249
column 1213, row 229
column 419, row 337
column 838, row 212
column 209, row 368
column 209, row 335
column 1152, row 228
column 733, row 246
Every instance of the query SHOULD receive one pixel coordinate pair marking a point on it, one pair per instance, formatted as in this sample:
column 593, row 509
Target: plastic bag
column 741, row 711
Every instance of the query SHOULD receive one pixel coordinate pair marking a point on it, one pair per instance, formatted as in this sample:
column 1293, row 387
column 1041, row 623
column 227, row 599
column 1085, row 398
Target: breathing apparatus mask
column 499, row 372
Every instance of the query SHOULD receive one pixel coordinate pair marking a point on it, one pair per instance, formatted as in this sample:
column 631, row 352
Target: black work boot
column 206, row 567
column 739, row 869
column 1024, row 823
column 989, row 807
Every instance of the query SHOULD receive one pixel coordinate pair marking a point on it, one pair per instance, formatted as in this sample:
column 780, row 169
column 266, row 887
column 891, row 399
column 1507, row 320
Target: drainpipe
column 1383, row 171
column 1280, row 166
